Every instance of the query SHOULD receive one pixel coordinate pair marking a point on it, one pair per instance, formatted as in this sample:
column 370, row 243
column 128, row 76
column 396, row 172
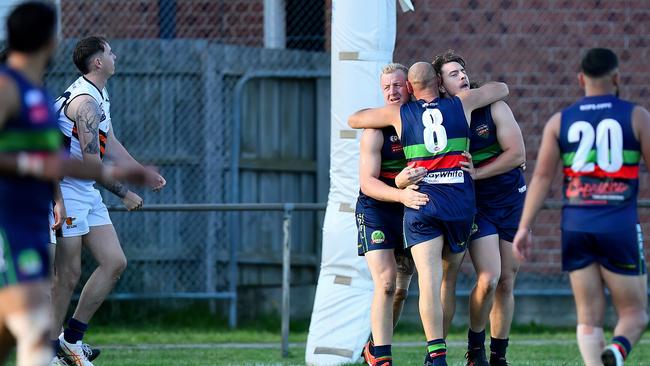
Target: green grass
column 125, row 345
column 190, row 336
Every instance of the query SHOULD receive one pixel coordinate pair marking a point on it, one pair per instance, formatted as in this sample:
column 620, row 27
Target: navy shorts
column 619, row 251
column 24, row 255
column 503, row 221
column 420, row 227
column 379, row 227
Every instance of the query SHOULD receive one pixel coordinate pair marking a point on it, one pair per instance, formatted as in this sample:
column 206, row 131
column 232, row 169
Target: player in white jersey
column 85, row 120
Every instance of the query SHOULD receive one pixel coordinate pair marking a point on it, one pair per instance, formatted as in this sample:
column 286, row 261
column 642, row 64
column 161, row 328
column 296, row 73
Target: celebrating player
column 497, row 151
column 434, row 133
column 379, row 212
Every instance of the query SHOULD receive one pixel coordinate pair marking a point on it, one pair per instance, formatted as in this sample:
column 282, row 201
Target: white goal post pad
column 363, row 39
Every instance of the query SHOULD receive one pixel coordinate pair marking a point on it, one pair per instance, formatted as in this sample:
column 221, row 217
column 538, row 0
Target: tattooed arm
column 87, row 115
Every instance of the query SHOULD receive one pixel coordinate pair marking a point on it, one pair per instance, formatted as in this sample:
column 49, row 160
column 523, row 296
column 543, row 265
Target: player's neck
column 596, row 90
column 31, row 67
column 98, row 80
column 425, row 95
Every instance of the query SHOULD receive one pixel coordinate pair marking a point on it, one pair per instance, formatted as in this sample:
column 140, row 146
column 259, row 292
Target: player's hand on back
column 468, row 165
column 409, row 176
column 132, row 201
column 411, row 198
column 522, row 245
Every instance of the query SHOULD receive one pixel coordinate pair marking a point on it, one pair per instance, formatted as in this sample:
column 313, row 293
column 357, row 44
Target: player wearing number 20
column 599, row 140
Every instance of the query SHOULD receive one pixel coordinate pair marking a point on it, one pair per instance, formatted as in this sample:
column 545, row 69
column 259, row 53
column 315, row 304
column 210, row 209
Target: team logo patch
column 377, row 237
column 483, row 131
column 474, row 229
column 69, row 222
column 29, row 262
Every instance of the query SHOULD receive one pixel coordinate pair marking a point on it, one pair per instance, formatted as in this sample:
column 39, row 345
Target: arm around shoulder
column 485, row 95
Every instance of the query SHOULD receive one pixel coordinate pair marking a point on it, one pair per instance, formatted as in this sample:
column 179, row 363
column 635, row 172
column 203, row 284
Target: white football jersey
column 82, row 86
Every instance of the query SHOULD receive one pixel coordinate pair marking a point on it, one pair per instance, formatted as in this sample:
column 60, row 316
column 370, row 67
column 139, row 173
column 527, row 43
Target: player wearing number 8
column 434, row 134
column 599, row 140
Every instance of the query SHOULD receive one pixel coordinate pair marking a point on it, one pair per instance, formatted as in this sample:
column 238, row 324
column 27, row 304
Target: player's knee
column 488, row 282
column 67, row 277
column 506, row 285
column 401, row 294
column 116, row 266
column 387, row 282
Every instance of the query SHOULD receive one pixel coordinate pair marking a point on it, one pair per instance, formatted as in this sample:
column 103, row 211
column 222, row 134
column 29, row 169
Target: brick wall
column 229, row 21
column 535, row 47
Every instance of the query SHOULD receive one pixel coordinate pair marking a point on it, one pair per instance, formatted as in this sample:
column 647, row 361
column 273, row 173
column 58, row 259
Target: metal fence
column 231, row 99
column 232, row 110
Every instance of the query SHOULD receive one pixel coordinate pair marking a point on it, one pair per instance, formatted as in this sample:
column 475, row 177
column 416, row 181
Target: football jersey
column 434, row 136
column 392, row 162
column 600, row 156
column 25, row 201
column 505, row 189
column 82, row 86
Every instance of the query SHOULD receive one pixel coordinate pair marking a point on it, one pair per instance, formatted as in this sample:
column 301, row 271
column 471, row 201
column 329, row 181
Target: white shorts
column 84, row 211
column 52, row 232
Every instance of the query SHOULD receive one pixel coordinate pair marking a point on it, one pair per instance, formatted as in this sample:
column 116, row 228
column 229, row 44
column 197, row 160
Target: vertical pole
column 286, row 277
column 274, row 24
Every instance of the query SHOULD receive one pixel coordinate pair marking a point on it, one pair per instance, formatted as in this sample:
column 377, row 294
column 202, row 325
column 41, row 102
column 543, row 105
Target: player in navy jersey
column 434, row 133
column 379, row 212
column 599, row 141
column 30, row 163
column 497, row 150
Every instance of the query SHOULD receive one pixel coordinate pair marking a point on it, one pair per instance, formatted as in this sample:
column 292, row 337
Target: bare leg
column 487, row 263
column 589, row 296
column 105, row 247
column 405, row 268
column 450, row 265
column 504, row 301
column 629, row 295
column 65, row 277
column 428, row 261
column 382, row 268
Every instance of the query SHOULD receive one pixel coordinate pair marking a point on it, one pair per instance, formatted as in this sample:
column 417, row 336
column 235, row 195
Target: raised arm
column 480, row 97
column 545, row 170
column 510, row 140
column 385, row 116
column 370, row 167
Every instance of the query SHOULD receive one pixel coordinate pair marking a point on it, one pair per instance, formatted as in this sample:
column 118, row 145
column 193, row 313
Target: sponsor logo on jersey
column 394, row 138
column 377, row 237
column 69, row 222
column 29, row 262
column 445, row 177
column 586, row 191
column 595, row 107
column 482, row 131
column 522, row 189
column 396, row 148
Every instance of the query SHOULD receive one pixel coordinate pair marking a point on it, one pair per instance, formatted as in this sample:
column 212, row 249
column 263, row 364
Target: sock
column 437, row 349
column 382, row 353
column 623, row 345
column 498, row 347
column 75, row 331
column 55, row 345
column 475, row 340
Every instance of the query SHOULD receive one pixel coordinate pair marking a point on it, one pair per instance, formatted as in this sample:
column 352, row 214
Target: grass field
column 206, row 344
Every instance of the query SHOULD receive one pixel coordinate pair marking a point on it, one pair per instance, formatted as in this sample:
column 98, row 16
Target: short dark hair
column 598, row 62
column 85, row 49
column 445, row 58
column 31, row 26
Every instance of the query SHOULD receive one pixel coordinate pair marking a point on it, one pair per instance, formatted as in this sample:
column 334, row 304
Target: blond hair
column 392, row 67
